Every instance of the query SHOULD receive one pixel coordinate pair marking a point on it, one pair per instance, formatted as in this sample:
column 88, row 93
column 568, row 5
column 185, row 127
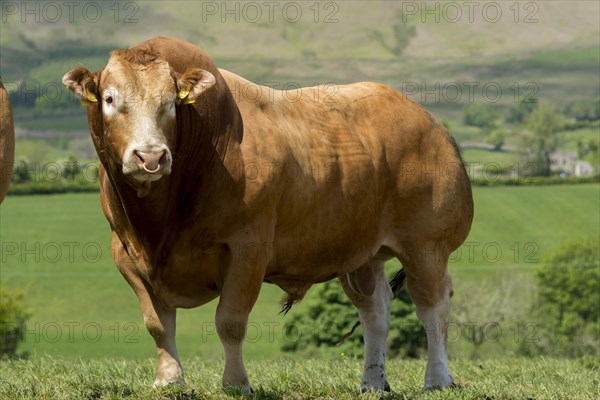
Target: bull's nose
column 149, row 161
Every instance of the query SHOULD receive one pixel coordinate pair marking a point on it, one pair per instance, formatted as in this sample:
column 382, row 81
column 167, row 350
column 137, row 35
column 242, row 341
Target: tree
column 403, row 31
column 584, row 110
column 482, row 116
column 585, row 147
column 13, row 314
column 568, row 301
column 539, row 137
column 497, row 138
column 520, row 111
column 330, row 314
column 20, row 171
column 70, row 168
column 481, row 310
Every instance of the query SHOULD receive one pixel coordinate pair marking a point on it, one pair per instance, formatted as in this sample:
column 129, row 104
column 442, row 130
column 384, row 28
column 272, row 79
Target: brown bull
column 7, row 142
column 213, row 185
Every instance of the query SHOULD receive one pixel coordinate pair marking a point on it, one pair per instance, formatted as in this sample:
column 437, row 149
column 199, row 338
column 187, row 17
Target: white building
column 566, row 161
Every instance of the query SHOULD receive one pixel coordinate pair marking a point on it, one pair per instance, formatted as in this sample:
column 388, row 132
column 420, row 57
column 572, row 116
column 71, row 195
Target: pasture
column 507, row 379
column 58, row 246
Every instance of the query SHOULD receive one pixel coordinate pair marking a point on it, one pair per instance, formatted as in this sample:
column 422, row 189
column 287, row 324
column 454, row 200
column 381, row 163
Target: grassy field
column 484, row 157
column 509, row 379
column 59, row 247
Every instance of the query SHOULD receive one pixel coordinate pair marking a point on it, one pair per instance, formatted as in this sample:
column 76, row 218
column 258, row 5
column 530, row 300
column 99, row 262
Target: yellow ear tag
column 86, row 103
column 183, row 94
column 188, row 101
column 91, row 98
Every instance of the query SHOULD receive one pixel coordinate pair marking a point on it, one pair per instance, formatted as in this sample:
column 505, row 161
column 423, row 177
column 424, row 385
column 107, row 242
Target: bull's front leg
column 241, row 286
column 159, row 320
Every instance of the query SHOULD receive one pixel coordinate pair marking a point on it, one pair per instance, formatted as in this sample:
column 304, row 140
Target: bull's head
column 138, row 93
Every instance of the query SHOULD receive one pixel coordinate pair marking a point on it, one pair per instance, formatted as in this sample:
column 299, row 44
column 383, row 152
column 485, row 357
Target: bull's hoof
column 164, row 382
column 440, row 386
column 365, row 387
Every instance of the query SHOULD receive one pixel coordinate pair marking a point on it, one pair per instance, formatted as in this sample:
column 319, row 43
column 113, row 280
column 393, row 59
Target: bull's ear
column 83, row 83
column 193, row 83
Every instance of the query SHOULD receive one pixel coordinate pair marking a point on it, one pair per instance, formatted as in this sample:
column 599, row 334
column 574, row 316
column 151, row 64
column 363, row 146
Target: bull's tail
column 396, row 284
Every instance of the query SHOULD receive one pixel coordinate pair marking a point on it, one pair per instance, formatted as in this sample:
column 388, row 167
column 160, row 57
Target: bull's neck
column 206, row 178
column 200, row 186
column 178, row 201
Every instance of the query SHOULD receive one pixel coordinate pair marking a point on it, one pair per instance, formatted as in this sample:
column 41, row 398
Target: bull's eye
column 109, row 100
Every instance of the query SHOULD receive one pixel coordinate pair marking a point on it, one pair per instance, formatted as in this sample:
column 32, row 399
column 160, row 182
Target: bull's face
column 138, row 92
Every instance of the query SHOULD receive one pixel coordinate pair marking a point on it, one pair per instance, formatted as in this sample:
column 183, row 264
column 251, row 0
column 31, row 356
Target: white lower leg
column 232, row 331
column 435, row 321
column 374, row 375
column 235, row 373
column 375, row 320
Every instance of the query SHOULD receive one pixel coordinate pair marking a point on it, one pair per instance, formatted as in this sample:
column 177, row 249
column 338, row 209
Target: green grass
column 536, row 219
column 486, row 157
column 59, row 247
column 51, row 378
column 463, row 133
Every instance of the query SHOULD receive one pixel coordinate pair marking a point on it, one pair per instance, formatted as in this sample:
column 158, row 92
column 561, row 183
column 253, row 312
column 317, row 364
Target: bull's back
column 353, row 165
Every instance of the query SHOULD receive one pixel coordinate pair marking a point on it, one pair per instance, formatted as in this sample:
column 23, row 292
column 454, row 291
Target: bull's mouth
column 143, row 178
column 148, row 165
column 144, row 174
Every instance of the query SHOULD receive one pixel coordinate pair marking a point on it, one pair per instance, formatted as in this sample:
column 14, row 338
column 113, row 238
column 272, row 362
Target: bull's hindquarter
column 326, row 185
column 347, row 183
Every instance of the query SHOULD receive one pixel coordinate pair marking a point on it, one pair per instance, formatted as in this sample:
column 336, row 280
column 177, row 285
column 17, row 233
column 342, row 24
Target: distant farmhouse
column 567, row 162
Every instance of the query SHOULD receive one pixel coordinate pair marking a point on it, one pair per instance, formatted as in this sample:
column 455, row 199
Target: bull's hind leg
column 370, row 292
column 238, row 295
column 430, row 288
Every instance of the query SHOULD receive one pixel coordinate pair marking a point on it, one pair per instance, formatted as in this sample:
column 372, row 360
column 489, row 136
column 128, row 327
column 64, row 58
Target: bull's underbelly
column 310, row 253
column 325, row 244
column 297, row 266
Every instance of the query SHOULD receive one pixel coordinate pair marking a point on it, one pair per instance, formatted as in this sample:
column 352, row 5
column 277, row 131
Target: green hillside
column 444, row 55
column 551, row 44
column 333, row 30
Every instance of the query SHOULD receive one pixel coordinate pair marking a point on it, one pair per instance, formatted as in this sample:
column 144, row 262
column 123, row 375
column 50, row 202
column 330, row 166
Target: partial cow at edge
column 7, row 142
column 213, row 185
